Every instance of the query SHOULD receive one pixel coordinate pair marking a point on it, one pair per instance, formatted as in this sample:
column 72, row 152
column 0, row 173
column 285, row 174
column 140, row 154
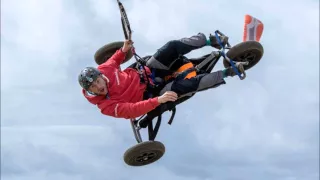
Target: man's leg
column 199, row 83
column 165, row 58
column 187, row 87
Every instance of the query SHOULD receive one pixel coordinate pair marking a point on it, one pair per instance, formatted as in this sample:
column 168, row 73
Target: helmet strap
column 105, row 77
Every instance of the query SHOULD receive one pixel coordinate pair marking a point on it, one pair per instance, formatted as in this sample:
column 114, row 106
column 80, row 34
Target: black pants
column 167, row 58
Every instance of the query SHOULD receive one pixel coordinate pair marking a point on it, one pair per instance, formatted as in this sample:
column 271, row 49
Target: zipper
column 116, row 110
column 117, row 78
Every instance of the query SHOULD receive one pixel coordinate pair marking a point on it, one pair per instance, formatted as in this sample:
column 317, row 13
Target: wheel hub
column 146, row 156
column 248, row 56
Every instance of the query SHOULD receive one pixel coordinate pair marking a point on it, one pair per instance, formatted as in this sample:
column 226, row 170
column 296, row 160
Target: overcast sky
column 265, row 127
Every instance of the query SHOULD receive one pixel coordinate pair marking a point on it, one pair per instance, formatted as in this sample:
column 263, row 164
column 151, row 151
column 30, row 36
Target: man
column 121, row 94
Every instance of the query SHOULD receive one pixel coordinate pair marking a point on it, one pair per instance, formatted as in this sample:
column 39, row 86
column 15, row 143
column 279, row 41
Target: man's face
column 99, row 86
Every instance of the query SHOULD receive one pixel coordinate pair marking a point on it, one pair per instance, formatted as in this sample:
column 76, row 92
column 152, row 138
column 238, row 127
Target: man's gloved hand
column 127, row 45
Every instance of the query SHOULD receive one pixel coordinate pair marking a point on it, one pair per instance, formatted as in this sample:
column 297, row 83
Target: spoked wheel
column 251, row 51
column 144, row 153
column 106, row 51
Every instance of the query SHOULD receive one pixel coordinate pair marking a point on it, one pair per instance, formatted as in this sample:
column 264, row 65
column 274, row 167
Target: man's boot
column 231, row 72
column 214, row 41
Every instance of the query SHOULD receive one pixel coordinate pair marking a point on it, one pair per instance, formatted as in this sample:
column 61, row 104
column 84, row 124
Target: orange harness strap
column 182, row 69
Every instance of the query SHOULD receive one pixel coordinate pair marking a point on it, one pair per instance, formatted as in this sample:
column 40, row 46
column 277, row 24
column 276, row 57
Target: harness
column 186, row 71
column 155, row 84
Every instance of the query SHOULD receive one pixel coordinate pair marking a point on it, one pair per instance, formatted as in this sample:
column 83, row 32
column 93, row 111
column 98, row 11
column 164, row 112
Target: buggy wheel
column 144, row 153
column 251, row 51
column 106, row 51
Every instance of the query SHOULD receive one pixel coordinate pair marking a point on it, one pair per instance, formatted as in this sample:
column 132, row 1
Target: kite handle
column 125, row 22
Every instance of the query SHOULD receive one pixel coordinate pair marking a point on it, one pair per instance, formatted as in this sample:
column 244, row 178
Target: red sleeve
column 116, row 59
column 128, row 110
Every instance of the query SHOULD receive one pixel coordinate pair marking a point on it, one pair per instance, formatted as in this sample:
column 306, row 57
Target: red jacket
column 125, row 92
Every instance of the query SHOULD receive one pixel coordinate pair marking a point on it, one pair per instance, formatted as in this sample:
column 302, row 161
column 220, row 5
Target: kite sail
column 253, row 28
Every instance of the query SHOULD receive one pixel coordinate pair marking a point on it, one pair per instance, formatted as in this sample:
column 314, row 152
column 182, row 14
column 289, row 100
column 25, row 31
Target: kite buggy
column 248, row 53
